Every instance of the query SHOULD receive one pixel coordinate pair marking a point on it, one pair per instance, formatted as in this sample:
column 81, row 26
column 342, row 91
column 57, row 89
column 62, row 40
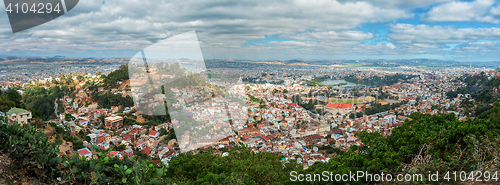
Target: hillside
column 426, row 144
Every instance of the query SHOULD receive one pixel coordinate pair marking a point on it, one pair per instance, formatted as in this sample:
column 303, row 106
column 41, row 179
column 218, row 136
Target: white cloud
column 220, row 24
column 408, row 33
column 412, row 4
column 223, row 27
column 332, row 36
column 495, row 10
column 461, row 11
column 390, row 45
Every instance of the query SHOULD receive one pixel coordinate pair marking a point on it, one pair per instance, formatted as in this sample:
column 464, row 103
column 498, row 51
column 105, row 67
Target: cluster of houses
column 273, row 123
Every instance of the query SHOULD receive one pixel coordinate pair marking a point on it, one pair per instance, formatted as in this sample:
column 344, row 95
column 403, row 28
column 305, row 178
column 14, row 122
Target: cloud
column 314, row 28
column 412, row 4
column 477, row 47
column 495, row 10
column 332, row 36
column 408, row 33
column 390, row 45
column 220, row 24
column 462, row 11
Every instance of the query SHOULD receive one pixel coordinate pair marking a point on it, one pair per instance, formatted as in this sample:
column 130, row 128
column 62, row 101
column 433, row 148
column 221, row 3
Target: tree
column 241, row 165
column 120, row 147
column 69, row 117
column 38, row 123
column 14, row 96
column 88, row 139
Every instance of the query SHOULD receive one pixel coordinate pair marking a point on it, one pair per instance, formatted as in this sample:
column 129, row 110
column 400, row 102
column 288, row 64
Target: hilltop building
column 113, row 122
column 18, row 115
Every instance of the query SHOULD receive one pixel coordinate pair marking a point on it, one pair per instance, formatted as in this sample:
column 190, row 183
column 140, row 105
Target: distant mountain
column 295, row 61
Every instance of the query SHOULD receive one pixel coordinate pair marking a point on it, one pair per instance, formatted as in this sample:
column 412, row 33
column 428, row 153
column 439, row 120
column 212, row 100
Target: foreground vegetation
column 427, row 143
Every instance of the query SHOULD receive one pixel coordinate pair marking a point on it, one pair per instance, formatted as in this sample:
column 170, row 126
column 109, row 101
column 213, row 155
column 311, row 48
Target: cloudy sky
column 277, row 29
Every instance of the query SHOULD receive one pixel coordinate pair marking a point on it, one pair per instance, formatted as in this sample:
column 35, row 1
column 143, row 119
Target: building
column 18, row 115
column 113, row 122
column 154, row 134
column 248, row 131
column 214, row 141
column 339, row 108
column 85, row 152
column 390, row 118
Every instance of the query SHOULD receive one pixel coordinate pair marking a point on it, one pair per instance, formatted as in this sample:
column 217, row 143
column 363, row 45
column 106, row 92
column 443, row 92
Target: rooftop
column 15, row 110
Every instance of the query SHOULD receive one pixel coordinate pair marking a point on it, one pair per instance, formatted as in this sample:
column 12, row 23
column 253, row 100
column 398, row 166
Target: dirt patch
column 140, row 119
column 49, row 130
column 65, row 146
column 124, row 84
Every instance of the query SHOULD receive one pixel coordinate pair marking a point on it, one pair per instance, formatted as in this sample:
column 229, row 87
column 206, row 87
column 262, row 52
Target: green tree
column 69, row 117
column 241, row 166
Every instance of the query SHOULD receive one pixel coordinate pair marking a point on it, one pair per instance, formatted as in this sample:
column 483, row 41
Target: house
column 114, row 109
column 154, row 134
column 84, row 122
column 162, row 152
column 129, row 152
column 131, row 137
column 311, row 139
column 390, row 118
column 248, row 131
column 140, row 145
column 115, row 154
column 85, row 152
column 113, row 122
column 165, row 126
column 146, row 150
column 100, row 139
column 18, row 115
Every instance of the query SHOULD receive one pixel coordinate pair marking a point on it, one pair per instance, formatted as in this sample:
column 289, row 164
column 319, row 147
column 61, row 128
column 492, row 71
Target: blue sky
column 271, row 30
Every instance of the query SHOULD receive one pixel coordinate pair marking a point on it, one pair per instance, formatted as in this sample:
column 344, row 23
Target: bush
column 34, row 159
column 31, row 155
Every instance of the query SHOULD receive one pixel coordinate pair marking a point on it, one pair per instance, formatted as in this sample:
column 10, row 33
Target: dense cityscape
column 305, row 113
column 250, row 92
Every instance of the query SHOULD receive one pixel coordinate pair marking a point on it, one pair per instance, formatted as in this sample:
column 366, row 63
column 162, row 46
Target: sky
column 270, row 30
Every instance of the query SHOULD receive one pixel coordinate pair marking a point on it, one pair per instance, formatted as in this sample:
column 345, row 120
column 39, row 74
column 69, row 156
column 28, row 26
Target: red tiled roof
column 84, row 151
column 153, row 132
column 114, row 153
column 408, row 98
column 146, row 150
column 265, row 138
column 345, row 106
column 339, row 105
column 332, row 105
column 253, row 135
